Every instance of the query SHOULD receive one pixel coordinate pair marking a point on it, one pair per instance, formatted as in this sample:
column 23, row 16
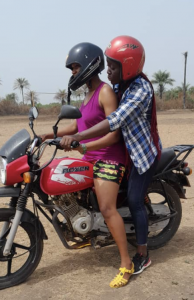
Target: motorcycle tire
column 25, row 242
column 166, row 234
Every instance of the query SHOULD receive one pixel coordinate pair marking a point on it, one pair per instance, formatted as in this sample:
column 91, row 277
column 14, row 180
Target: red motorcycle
column 62, row 190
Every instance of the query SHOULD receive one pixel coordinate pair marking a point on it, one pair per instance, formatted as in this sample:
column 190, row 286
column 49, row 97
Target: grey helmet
column 91, row 60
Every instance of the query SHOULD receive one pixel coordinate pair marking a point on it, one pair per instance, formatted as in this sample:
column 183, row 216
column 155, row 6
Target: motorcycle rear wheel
column 157, row 195
column 26, row 252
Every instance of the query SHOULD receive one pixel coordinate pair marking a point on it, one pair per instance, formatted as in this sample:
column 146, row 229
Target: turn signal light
column 27, row 176
column 187, row 171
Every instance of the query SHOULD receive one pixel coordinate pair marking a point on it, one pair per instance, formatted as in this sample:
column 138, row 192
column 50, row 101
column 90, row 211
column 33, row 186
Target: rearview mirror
column 33, row 113
column 69, row 112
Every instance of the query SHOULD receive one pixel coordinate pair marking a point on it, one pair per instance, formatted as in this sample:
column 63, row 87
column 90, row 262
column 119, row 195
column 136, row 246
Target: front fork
column 21, row 205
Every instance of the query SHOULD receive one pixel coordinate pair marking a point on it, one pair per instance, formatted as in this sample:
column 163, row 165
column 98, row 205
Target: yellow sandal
column 119, row 281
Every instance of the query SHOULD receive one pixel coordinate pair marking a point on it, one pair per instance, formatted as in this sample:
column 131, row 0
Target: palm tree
column 12, row 98
column 61, row 95
column 161, row 79
column 84, row 89
column 189, row 91
column 172, row 94
column 32, row 97
column 181, row 88
column 81, row 92
column 21, row 83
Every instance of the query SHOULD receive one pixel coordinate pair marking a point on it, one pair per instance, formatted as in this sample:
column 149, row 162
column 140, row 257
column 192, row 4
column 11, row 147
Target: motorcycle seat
column 167, row 156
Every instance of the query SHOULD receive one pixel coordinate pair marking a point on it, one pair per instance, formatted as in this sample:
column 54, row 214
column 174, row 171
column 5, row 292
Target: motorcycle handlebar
column 56, row 142
column 74, row 144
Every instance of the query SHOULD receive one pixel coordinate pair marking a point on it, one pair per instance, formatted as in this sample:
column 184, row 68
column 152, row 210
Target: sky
column 36, row 36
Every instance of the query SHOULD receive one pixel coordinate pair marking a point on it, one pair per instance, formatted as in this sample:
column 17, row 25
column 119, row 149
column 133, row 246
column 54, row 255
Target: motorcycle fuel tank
column 66, row 175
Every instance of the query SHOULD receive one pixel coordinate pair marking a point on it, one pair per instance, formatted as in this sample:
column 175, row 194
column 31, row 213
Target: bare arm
column 108, row 101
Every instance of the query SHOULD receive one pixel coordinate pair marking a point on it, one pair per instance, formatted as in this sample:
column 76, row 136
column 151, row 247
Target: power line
column 45, row 93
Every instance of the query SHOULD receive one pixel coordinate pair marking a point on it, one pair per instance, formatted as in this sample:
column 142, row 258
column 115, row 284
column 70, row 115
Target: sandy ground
column 85, row 274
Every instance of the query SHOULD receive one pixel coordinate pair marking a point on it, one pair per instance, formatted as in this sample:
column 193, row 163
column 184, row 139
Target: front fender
column 29, row 217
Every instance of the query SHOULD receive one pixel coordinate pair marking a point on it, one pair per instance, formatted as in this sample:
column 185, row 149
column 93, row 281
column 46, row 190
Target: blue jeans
column 137, row 187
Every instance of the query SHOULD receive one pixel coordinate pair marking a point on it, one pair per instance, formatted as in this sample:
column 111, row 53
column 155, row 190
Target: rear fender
column 178, row 182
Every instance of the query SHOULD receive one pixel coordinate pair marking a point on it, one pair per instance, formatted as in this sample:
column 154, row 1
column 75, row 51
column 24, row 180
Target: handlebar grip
column 74, row 144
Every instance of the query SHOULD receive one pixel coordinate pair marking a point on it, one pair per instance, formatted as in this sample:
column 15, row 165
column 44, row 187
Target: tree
column 32, row 97
column 12, row 98
column 0, row 82
column 61, row 95
column 182, row 87
column 80, row 93
column 21, row 83
column 191, row 90
column 172, row 94
column 161, row 79
column 84, row 89
column 187, row 91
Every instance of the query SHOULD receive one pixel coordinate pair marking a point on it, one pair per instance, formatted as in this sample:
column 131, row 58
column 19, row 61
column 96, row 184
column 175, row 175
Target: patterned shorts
column 108, row 170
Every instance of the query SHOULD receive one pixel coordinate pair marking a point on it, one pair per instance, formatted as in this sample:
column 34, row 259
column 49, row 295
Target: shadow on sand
column 91, row 261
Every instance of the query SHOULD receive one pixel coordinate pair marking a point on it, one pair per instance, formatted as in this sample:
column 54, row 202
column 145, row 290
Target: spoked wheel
column 25, row 254
column 160, row 232
column 166, row 219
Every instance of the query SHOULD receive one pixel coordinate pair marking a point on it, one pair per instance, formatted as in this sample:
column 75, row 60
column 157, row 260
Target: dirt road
column 85, row 274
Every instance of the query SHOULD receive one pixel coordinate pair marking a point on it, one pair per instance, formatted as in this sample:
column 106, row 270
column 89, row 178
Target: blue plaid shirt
column 133, row 116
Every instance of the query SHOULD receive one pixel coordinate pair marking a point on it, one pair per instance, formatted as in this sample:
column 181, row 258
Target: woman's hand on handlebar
column 67, row 140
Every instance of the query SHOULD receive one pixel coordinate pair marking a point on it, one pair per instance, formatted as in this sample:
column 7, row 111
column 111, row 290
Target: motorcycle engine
column 80, row 218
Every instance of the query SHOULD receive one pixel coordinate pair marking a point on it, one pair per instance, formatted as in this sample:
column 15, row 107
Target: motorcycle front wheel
column 167, row 215
column 26, row 251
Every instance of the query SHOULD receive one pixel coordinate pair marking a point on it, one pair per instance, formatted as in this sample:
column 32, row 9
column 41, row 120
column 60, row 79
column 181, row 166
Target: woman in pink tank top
column 107, row 153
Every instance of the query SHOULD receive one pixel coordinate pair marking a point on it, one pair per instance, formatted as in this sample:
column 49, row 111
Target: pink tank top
column 93, row 114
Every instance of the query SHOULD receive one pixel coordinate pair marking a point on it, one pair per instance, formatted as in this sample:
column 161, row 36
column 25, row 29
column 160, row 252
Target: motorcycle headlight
column 3, row 164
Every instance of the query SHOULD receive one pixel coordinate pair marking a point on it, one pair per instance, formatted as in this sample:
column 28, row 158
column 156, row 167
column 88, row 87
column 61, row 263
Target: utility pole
column 32, row 98
column 184, row 86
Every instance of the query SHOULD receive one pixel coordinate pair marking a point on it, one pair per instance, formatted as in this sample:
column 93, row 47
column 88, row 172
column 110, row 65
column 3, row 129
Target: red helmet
column 129, row 52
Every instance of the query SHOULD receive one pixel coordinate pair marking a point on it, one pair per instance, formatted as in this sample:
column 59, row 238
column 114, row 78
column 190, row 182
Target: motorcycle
column 62, row 190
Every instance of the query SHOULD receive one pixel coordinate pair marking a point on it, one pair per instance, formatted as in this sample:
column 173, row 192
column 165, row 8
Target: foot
column 122, row 277
column 141, row 262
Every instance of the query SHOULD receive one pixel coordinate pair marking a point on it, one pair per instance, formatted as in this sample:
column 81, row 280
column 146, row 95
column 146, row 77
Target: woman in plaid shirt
column 136, row 116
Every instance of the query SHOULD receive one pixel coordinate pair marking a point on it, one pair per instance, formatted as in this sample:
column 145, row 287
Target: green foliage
column 172, row 94
column 12, row 98
column 165, row 99
column 161, row 79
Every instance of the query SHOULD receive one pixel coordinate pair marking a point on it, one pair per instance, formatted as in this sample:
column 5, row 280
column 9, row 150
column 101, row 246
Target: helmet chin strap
column 68, row 96
column 90, row 84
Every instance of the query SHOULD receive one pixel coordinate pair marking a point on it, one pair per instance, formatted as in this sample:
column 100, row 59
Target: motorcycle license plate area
column 66, row 175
